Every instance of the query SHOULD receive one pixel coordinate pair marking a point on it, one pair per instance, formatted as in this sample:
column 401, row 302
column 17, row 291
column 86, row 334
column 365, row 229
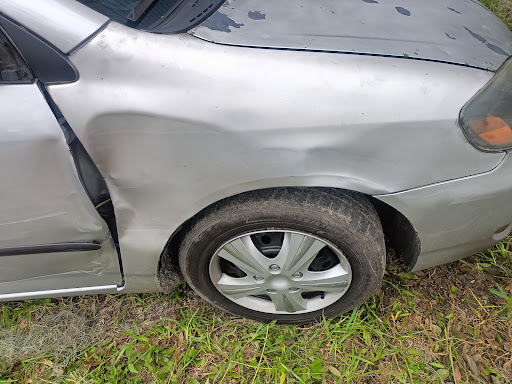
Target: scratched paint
column 481, row 39
column 256, row 15
column 365, row 27
column 220, row 22
column 403, row 11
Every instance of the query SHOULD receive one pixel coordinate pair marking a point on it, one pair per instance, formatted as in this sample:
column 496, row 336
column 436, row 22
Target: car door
column 52, row 239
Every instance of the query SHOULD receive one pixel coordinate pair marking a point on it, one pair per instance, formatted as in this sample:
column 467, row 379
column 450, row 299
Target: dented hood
column 453, row 31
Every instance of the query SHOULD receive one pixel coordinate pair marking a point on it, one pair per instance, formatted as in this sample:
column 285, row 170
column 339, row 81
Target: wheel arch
column 399, row 231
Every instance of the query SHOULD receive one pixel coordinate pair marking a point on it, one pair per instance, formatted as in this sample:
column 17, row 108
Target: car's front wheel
column 287, row 254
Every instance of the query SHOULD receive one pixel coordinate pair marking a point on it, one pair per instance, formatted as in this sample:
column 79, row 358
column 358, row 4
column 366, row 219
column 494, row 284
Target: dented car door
column 52, row 239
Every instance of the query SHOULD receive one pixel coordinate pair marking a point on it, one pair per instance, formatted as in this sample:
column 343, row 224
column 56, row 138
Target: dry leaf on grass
column 471, row 364
column 334, row 371
column 458, row 376
column 247, row 351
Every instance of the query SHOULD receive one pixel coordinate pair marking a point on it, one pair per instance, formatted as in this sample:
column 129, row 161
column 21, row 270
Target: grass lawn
column 502, row 9
column 446, row 324
column 450, row 324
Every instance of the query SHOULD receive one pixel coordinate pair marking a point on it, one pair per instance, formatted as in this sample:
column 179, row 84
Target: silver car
column 262, row 149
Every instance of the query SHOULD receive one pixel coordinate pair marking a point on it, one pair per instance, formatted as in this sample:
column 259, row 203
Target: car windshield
column 141, row 14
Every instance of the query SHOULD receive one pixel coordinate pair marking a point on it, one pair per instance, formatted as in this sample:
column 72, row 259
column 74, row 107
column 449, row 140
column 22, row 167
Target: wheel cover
column 285, row 283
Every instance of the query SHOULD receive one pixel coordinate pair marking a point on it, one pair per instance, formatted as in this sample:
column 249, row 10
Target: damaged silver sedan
column 263, row 150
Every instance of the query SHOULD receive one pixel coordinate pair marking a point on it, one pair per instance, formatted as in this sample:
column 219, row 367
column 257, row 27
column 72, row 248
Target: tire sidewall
column 361, row 249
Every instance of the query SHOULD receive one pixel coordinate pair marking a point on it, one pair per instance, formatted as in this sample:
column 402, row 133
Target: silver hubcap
column 293, row 281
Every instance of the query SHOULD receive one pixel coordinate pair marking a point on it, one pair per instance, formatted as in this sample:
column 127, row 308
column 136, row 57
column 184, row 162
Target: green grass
column 502, row 9
column 435, row 326
column 444, row 325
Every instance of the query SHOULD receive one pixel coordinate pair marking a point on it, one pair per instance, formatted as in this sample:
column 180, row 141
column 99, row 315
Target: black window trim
column 47, row 63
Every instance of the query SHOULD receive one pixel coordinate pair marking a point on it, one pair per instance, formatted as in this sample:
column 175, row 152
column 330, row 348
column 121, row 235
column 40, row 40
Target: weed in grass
column 507, row 308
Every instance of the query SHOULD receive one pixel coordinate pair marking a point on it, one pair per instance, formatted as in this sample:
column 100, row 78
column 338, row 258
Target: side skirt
column 61, row 292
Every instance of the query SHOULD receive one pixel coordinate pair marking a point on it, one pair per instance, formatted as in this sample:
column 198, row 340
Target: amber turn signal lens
column 493, row 130
column 487, row 118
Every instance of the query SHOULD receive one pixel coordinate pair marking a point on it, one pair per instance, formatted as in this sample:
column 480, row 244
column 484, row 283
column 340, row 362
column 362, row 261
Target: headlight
column 487, row 117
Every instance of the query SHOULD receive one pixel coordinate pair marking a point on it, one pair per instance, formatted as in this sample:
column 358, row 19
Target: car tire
column 346, row 223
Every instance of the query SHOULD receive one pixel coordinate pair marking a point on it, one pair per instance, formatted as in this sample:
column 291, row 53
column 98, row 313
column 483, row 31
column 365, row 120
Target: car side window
column 13, row 68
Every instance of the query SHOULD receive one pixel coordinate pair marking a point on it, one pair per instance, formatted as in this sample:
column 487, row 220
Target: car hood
column 453, row 31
